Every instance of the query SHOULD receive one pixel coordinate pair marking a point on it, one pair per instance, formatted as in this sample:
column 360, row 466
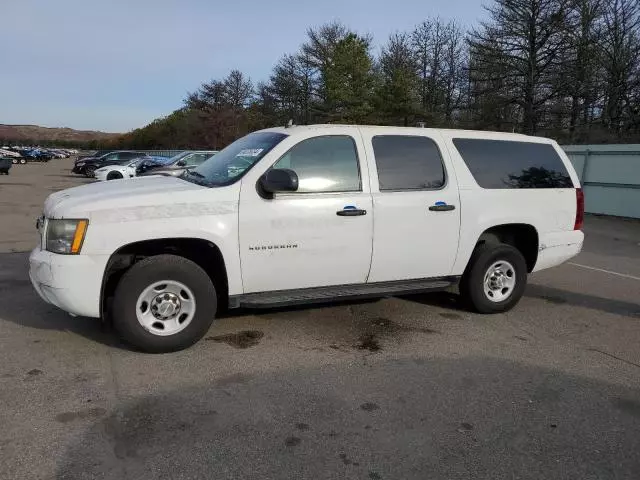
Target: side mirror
column 181, row 163
column 278, row 180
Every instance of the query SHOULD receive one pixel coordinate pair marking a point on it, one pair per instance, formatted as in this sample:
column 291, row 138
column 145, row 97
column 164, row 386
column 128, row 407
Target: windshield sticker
column 250, row 152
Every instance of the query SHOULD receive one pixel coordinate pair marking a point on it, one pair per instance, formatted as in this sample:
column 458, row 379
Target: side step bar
column 281, row 298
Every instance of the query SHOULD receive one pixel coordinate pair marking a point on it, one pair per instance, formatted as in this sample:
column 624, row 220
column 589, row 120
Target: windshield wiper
column 196, row 174
column 193, row 177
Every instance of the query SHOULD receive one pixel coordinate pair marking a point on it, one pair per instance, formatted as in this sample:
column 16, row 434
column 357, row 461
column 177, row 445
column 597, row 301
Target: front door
column 310, row 238
column 416, row 204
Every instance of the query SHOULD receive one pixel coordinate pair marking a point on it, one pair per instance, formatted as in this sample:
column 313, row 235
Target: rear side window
column 507, row 164
column 407, row 163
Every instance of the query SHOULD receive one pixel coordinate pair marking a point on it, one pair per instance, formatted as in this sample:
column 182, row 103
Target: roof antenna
column 289, row 124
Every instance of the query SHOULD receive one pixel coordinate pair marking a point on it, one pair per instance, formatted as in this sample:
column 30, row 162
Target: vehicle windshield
column 228, row 165
column 170, row 160
column 137, row 162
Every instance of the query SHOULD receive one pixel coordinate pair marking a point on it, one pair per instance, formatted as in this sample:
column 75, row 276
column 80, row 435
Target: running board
column 281, row 298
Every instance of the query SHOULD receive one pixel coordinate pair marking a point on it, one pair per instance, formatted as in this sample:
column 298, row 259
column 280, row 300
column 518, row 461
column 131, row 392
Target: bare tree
column 579, row 75
column 440, row 54
column 528, row 36
column 421, row 39
column 453, row 70
column 619, row 48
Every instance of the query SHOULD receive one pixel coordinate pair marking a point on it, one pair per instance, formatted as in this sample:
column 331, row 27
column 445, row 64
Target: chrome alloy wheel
column 499, row 281
column 166, row 307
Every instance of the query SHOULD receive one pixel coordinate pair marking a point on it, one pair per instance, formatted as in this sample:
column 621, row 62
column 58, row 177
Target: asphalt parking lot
column 401, row 388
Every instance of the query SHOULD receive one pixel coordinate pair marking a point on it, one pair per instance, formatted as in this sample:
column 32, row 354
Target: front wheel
column 495, row 278
column 90, row 171
column 164, row 303
column 114, row 176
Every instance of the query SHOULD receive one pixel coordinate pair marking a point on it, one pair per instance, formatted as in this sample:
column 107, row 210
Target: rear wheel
column 14, row 161
column 495, row 278
column 114, row 176
column 23, row 161
column 163, row 304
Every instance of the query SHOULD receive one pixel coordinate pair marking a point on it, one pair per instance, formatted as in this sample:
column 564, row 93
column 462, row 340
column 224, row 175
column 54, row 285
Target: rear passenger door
column 415, row 202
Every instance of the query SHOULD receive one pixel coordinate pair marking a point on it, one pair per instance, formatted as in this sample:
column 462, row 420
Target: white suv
column 306, row 214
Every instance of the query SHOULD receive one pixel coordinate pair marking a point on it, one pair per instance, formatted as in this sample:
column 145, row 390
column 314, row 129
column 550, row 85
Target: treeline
column 78, row 144
column 568, row 69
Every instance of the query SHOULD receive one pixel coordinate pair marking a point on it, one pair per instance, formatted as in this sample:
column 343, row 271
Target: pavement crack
column 613, row 356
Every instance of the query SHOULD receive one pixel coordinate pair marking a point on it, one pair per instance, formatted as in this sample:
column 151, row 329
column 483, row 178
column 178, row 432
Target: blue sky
column 114, row 65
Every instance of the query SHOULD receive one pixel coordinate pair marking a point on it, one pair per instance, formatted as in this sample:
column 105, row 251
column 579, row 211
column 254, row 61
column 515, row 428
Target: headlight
column 80, row 164
column 66, row 236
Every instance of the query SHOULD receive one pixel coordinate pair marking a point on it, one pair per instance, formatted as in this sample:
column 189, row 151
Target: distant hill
column 37, row 134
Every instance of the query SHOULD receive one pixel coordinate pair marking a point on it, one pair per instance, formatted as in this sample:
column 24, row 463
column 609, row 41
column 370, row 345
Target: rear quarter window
column 502, row 164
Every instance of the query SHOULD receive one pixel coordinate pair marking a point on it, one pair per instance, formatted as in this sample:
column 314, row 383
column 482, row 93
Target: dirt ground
column 400, row 388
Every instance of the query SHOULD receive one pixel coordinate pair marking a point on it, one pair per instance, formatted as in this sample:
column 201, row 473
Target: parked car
column 9, row 153
column 88, row 166
column 161, row 161
column 5, row 165
column 98, row 153
column 37, row 155
column 118, row 171
column 308, row 214
column 176, row 165
column 57, row 153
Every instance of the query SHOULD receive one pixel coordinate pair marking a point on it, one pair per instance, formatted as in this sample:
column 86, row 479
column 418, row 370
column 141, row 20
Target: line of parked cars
column 23, row 155
column 119, row 164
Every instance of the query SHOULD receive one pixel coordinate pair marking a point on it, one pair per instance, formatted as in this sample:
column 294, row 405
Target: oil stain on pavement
column 244, row 339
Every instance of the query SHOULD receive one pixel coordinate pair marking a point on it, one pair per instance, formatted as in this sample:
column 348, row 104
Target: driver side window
column 324, row 164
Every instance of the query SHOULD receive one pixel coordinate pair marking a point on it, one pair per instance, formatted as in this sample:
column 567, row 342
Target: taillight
column 579, row 209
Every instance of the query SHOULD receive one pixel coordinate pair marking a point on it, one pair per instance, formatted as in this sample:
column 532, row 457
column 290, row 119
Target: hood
column 113, row 197
column 84, row 159
column 163, row 171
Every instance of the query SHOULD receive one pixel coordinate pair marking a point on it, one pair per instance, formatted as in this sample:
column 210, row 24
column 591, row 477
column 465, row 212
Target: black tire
column 114, row 176
column 14, row 161
column 143, row 274
column 89, row 171
column 472, row 283
column 23, row 161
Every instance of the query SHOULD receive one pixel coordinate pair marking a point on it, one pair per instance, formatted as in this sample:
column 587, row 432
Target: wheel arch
column 522, row 236
column 204, row 253
column 114, row 173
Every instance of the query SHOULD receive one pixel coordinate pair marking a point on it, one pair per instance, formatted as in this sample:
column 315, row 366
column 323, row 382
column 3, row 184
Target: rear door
column 416, row 204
